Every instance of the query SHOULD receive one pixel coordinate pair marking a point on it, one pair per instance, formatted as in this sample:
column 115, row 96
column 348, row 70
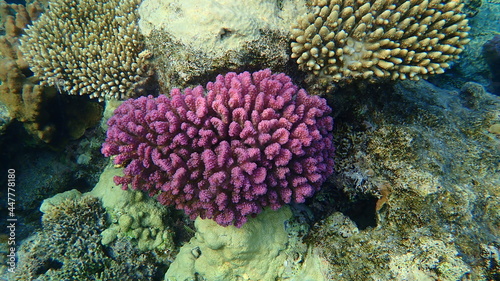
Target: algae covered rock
column 430, row 160
column 197, row 39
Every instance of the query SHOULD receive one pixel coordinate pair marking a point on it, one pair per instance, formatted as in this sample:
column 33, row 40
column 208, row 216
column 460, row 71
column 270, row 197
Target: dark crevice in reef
column 49, row 264
column 361, row 210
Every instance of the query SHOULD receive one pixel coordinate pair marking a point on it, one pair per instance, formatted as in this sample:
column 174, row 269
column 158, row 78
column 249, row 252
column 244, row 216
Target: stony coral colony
column 400, row 39
column 337, row 40
column 249, row 141
column 91, row 49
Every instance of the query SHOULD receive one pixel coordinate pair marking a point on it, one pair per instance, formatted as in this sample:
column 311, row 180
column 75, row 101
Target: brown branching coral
column 87, row 48
column 399, row 39
column 20, row 93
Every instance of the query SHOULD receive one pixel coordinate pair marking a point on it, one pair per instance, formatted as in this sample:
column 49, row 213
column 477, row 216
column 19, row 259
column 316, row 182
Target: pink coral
column 247, row 142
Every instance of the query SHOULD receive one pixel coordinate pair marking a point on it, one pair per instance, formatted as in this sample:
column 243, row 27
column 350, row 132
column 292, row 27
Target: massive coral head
column 247, row 141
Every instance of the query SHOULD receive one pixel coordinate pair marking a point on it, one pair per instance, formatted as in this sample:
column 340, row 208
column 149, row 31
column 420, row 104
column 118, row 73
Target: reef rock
column 197, row 38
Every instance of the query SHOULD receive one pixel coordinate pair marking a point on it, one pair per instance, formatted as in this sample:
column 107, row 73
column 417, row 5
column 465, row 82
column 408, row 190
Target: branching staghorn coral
column 88, row 48
column 346, row 39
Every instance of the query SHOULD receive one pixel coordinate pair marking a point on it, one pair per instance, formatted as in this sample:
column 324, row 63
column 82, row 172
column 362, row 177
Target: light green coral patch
column 58, row 199
column 252, row 252
column 125, row 222
column 108, row 236
column 133, row 215
column 267, row 247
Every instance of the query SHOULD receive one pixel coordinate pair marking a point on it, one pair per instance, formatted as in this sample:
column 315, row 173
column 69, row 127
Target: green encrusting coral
column 133, row 215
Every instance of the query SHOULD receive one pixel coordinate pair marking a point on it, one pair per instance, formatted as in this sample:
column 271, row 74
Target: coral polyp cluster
column 87, row 48
column 246, row 142
column 400, row 39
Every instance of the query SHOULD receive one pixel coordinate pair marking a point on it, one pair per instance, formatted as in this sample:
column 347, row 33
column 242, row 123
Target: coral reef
column 69, row 248
column 491, row 52
column 472, row 65
column 42, row 171
column 428, row 154
column 195, row 40
column 414, row 194
column 400, row 39
column 250, row 141
column 88, row 48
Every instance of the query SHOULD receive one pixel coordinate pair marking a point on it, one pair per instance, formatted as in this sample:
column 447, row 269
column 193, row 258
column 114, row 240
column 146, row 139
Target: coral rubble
column 133, row 216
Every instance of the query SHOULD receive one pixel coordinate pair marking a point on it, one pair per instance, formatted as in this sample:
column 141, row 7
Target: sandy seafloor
column 415, row 194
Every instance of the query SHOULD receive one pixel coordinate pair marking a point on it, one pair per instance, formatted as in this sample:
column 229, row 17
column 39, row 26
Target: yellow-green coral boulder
column 256, row 251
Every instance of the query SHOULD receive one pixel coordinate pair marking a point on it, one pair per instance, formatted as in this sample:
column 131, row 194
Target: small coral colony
column 249, row 140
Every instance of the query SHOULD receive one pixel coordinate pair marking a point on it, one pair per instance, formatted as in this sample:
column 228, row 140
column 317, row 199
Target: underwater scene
column 256, row 140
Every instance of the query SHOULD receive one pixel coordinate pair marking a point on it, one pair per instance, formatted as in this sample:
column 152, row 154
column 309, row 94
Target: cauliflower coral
column 245, row 142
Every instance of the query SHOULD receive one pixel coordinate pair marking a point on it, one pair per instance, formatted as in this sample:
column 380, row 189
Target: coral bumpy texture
column 399, row 39
column 87, row 48
column 246, row 142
